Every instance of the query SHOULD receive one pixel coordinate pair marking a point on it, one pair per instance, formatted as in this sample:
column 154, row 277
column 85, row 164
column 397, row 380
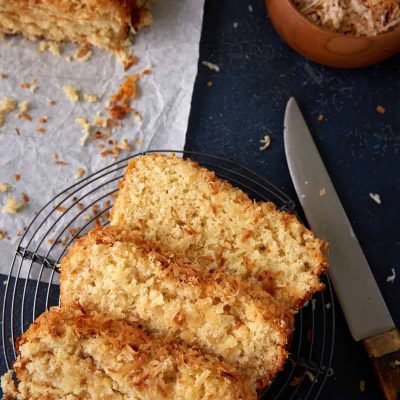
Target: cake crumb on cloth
column 376, row 198
column 211, row 66
column 380, row 109
column 265, row 142
column 392, row 276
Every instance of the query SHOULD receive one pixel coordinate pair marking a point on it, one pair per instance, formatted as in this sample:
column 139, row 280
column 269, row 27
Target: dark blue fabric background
column 361, row 147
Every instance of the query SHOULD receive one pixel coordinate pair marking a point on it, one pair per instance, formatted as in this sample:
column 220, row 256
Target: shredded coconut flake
column 265, row 142
column 392, row 277
column 211, row 66
column 376, row 198
column 352, row 17
column 310, row 375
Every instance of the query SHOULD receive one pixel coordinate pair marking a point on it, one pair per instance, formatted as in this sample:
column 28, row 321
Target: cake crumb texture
column 112, row 272
column 194, row 214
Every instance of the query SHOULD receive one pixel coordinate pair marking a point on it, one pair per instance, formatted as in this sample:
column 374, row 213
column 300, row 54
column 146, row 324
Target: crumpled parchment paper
column 169, row 48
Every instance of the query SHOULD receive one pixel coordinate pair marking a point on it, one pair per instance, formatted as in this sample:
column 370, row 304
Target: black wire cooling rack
column 32, row 284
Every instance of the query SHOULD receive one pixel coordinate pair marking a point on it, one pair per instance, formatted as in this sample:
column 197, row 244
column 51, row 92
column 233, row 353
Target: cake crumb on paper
column 56, row 160
column 322, row 192
column 376, row 198
column 51, row 102
column 12, row 206
column 392, row 276
column 211, row 66
column 380, row 109
column 90, row 98
column 123, row 144
column 85, row 129
column 23, row 107
column 265, row 142
column 2, row 235
column 79, row 173
column 86, row 217
column 42, row 120
column 120, row 105
column 72, row 93
column 6, row 106
column 54, row 48
column 83, row 53
column 4, row 187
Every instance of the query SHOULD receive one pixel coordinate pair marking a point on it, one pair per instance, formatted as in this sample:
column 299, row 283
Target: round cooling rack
column 33, row 279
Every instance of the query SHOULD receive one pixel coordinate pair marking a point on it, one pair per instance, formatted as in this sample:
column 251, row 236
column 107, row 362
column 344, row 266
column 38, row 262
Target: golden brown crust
column 100, row 338
column 206, row 300
column 215, row 196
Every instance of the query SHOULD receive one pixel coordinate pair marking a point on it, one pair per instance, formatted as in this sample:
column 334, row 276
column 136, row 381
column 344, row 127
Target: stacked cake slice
column 189, row 294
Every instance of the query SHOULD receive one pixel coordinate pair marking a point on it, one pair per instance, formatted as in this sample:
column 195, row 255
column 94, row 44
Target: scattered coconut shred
column 352, row 17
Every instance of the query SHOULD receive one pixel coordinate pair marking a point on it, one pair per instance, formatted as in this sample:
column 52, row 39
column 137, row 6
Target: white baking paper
column 169, row 48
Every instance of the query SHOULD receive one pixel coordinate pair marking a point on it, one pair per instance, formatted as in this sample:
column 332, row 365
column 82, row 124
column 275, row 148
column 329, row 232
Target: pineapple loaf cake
column 218, row 227
column 102, row 23
column 112, row 272
column 69, row 355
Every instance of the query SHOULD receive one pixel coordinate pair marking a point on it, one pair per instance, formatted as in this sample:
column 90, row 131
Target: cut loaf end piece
column 69, row 355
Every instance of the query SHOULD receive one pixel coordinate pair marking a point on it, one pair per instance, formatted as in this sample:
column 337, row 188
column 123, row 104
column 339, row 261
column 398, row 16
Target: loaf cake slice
column 112, row 272
column 102, row 23
column 68, row 355
column 216, row 226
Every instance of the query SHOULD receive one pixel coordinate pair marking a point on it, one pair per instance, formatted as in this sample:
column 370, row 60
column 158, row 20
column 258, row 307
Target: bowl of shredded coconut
column 339, row 33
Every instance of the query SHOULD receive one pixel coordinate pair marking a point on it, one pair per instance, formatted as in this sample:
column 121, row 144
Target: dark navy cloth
column 233, row 109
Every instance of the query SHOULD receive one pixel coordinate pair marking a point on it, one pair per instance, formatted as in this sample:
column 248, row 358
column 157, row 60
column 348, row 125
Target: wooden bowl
column 328, row 47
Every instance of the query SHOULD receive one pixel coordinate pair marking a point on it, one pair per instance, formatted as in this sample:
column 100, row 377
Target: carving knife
column 365, row 310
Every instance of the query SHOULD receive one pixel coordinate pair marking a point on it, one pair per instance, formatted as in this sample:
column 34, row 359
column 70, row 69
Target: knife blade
column 359, row 296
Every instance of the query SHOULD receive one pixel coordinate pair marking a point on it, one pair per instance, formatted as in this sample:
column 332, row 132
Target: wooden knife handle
column 384, row 353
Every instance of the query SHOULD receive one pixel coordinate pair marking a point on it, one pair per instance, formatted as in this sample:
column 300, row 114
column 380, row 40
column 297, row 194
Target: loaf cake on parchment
column 112, row 272
column 68, row 355
column 102, row 23
column 217, row 227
